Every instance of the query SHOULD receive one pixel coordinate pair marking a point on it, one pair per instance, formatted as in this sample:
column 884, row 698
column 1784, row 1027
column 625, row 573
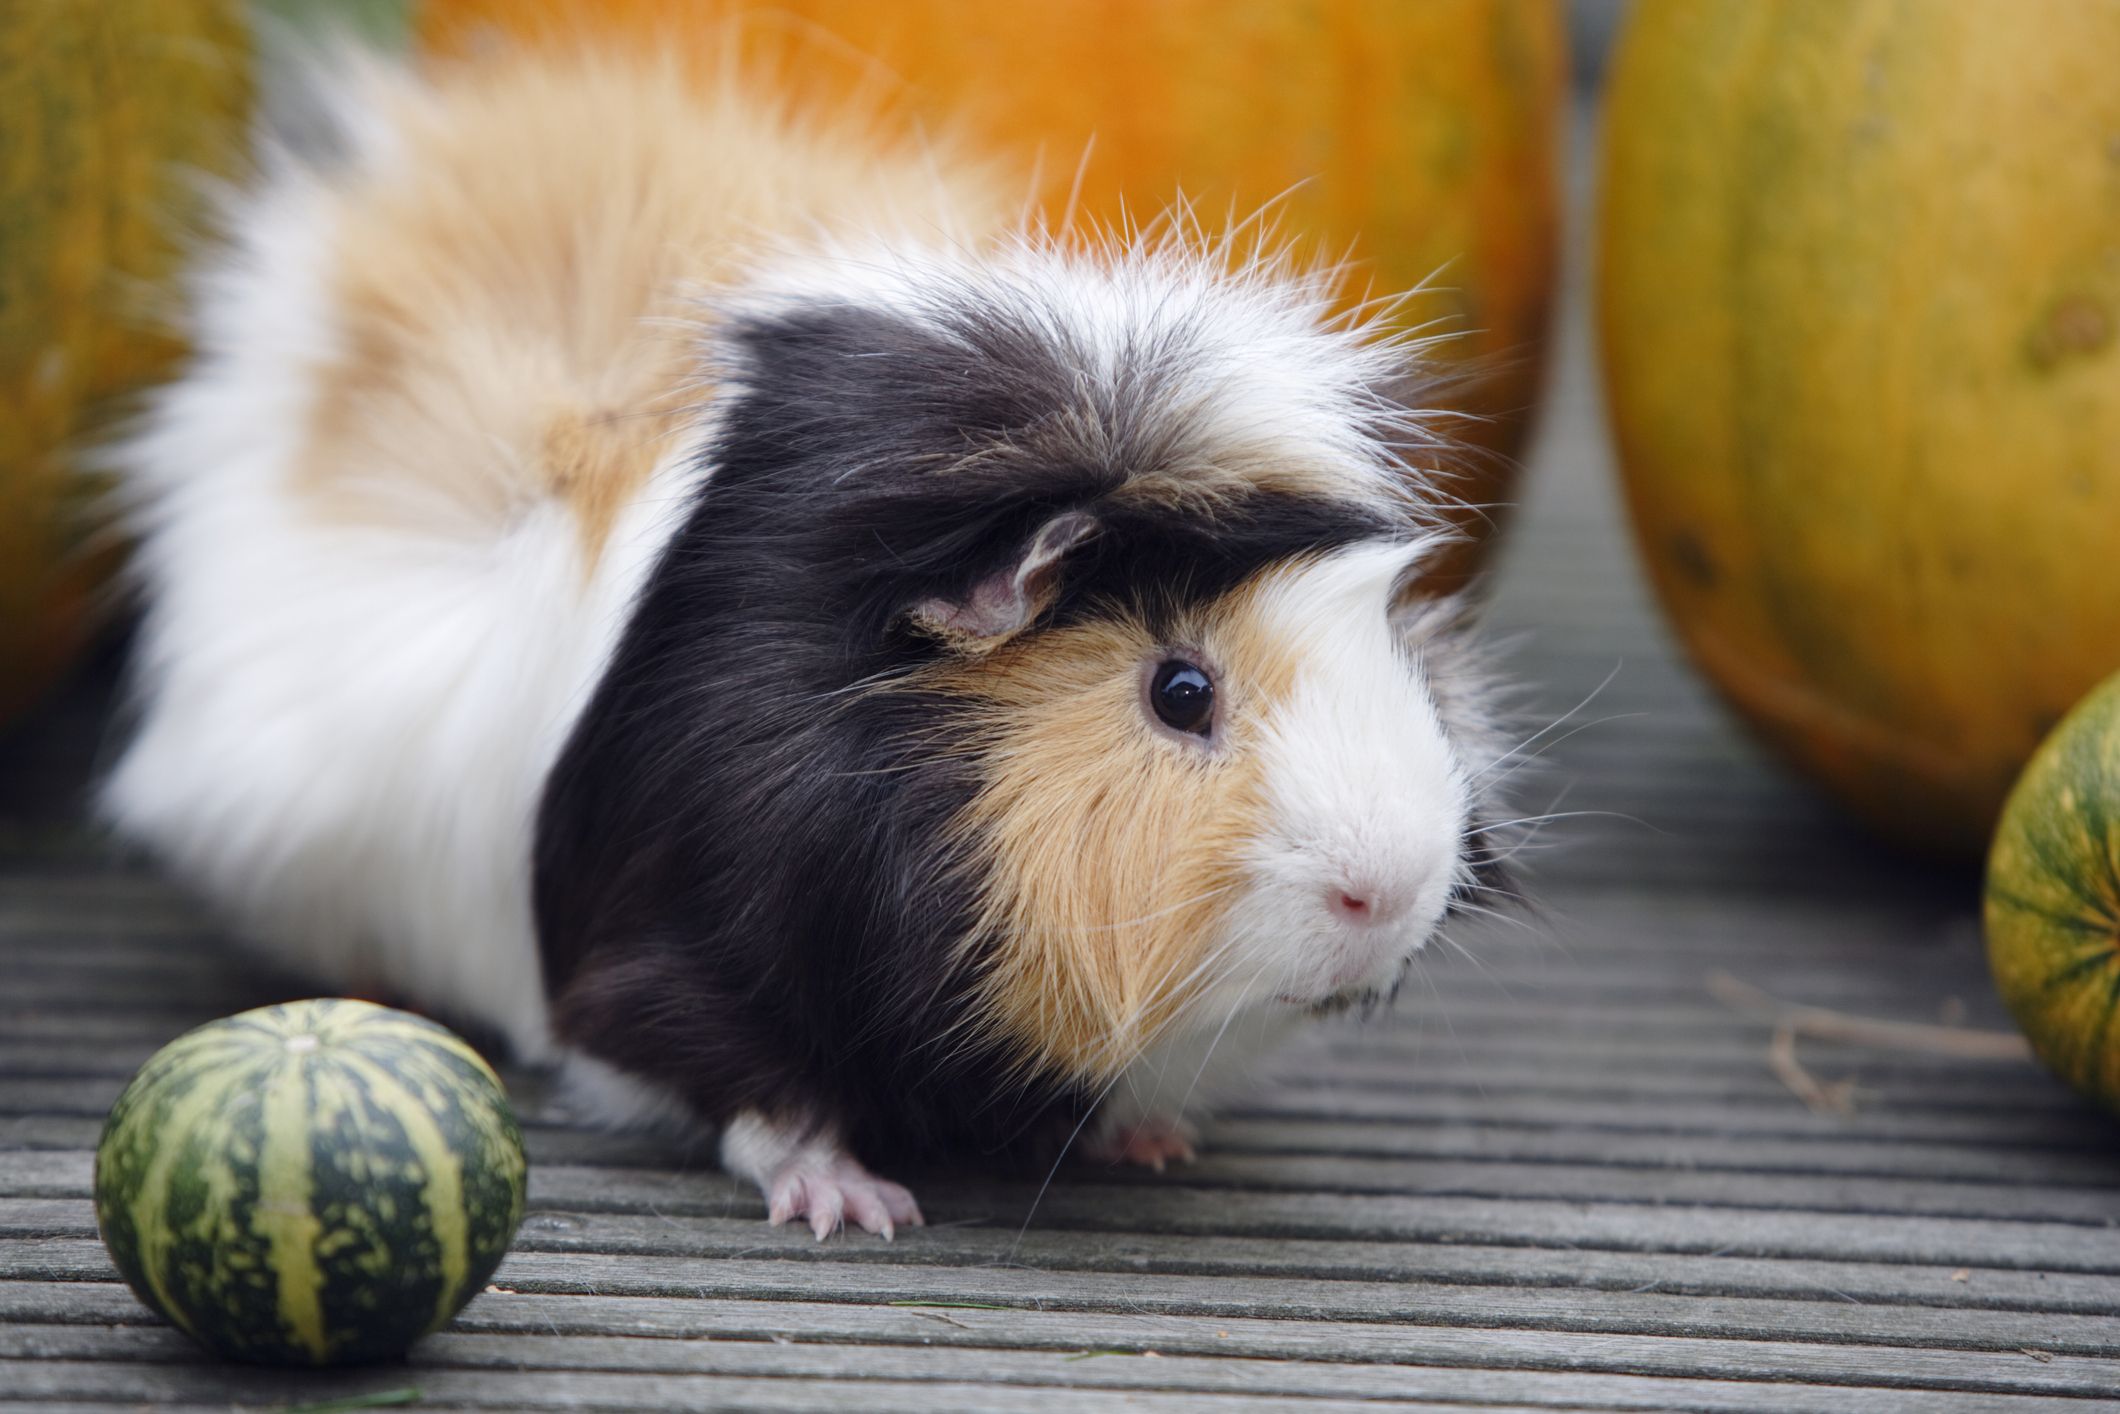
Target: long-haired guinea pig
column 724, row 603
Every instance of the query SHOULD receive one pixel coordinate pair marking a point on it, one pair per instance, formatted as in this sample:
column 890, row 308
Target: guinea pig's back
column 446, row 406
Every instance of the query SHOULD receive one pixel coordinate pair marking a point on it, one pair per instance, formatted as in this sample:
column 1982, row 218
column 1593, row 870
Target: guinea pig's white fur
column 349, row 713
column 458, row 386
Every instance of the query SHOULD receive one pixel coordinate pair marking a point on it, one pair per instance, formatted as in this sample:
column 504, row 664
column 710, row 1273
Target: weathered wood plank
column 1777, row 1154
column 1469, row 1006
column 1239, row 1258
column 1486, row 1067
column 1845, row 1189
column 2010, row 1244
column 625, row 1392
column 2089, row 1207
column 1884, row 1112
column 1106, row 1370
column 1525, row 1099
column 1825, row 1151
column 144, row 1008
column 1219, row 1336
column 656, row 1273
column 1636, row 1097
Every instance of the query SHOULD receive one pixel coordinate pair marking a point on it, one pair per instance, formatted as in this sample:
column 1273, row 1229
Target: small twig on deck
column 1823, row 1024
column 1822, row 1096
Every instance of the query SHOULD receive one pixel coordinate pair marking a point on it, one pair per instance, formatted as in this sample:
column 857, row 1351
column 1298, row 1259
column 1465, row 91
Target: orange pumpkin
column 1419, row 137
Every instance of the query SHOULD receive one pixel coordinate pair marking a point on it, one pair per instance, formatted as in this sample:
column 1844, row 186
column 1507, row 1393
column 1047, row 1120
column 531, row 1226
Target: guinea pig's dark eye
column 1183, row 696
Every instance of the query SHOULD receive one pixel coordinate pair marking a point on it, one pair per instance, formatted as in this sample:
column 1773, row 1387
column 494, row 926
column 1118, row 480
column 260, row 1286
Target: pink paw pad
column 1151, row 1143
column 832, row 1194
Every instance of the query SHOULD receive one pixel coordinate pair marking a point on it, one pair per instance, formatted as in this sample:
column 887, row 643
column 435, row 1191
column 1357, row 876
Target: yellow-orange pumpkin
column 109, row 112
column 1420, row 136
column 1859, row 285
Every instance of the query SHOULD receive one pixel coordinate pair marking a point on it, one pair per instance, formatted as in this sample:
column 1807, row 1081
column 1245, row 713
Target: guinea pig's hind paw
column 831, row 1194
column 1152, row 1143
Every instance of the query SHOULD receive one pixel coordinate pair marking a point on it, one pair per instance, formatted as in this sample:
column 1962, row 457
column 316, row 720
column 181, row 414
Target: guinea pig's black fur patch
column 743, row 887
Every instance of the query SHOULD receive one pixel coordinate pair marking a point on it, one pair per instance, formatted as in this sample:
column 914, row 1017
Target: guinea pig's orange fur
column 1098, row 924
column 519, row 279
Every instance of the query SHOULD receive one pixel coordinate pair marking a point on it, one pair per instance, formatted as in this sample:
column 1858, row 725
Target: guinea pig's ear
column 1006, row 599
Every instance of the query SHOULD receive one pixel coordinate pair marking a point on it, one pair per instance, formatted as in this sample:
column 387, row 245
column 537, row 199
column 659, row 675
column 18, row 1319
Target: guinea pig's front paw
column 833, row 1191
column 805, row 1171
column 1152, row 1141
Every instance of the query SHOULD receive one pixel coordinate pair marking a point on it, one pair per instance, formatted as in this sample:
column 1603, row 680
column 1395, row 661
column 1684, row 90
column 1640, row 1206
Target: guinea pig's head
column 1104, row 697
column 1195, row 793
column 1157, row 569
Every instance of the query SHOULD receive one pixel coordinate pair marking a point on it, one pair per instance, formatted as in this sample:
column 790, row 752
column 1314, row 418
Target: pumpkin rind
column 321, row 1182
column 2053, row 898
column 1859, row 286
column 113, row 111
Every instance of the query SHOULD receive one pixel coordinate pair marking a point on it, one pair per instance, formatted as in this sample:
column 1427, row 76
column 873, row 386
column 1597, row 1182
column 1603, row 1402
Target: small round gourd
column 2053, row 898
column 320, row 1182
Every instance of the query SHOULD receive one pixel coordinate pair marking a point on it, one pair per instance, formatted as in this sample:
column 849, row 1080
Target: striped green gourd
column 315, row 1183
column 2053, row 898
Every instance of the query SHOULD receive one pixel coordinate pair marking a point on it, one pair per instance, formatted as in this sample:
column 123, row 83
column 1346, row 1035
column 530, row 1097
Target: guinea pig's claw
column 879, row 1205
column 827, row 1214
column 829, row 1195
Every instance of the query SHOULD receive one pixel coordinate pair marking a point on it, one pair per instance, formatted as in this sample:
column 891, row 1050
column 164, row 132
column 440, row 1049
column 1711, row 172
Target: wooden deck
column 1565, row 1176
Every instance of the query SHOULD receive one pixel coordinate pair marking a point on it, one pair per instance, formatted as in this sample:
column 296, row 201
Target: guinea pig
column 708, row 593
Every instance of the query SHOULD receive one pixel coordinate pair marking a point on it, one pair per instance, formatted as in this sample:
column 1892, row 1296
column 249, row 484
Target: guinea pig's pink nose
column 1361, row 904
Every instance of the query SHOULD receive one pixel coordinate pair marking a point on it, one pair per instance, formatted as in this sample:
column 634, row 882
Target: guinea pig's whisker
column 1495, row 913
column 965, row 1034
column 1492, row 859
column 1162, row 1072
column 898, row 769
column 1462, row 951
column 1235, row 1008
column 1156, row 992
column 1560, row 815
column 1443, row 1010
column 1160, row 990
column 1139, row 919
column 875, row 682
column 1529, row 843
column 1557, row 722
column 1206, row 962
column 1513, row 903
column 1066, row 1147
column 1533, row 757
column 1530, row 825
